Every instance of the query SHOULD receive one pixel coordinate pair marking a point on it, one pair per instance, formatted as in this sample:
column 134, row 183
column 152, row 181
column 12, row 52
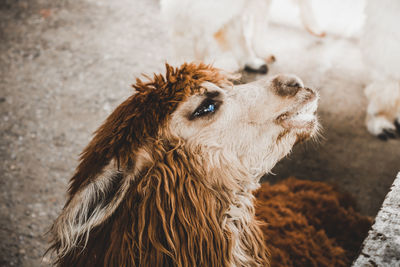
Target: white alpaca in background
column 230, row 34
column 380, row 44
column 215, row 31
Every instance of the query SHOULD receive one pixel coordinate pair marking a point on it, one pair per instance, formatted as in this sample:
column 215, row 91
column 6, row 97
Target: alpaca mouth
column 302, row 115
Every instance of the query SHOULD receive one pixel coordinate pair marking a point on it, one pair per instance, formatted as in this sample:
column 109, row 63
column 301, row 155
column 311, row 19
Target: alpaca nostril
column 289, row 90
column 287, row 85
column 295, row 84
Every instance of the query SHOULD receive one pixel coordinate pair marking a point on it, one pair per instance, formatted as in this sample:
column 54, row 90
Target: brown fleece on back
column 309, row 224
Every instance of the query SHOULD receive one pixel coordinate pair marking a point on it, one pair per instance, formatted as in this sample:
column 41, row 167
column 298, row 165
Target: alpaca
column 167, row 180
column 231, row 34
column 380, row 46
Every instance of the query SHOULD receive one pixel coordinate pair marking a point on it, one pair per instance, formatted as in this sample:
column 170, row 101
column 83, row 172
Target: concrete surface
column 64, row 65
column 382, row 247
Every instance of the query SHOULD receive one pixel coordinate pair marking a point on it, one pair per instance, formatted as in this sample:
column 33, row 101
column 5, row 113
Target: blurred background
column 64, row 66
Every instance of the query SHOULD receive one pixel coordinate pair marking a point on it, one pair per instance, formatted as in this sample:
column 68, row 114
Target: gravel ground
column 66, row 64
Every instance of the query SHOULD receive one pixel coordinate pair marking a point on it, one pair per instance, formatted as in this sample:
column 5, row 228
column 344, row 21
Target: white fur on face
column 255, row 125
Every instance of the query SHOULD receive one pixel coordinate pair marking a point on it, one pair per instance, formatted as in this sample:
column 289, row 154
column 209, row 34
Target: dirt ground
column 66, row 64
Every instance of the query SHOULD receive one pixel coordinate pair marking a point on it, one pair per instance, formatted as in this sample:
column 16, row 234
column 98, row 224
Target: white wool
column 380, row 46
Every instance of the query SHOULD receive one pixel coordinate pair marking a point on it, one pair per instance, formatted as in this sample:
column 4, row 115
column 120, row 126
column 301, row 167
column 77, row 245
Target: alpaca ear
column 91, row 205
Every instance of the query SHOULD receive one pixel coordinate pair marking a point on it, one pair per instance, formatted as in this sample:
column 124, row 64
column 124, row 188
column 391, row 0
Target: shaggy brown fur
column 309, row 224
column 169, row 215
column 139, row 118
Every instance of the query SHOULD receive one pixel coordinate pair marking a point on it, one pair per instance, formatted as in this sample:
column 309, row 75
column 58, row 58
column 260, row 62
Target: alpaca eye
column 207, row 107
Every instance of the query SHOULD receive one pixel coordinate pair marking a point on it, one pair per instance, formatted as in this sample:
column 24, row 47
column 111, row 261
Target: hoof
column 382, row 127
column 263, row 69
column 387, row 134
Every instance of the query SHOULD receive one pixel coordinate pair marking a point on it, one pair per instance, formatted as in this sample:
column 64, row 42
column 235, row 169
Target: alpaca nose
column 287, row 85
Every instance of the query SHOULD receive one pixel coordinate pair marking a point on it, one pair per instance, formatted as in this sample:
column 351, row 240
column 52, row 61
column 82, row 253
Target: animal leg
column 308, row 18
column 383, row 111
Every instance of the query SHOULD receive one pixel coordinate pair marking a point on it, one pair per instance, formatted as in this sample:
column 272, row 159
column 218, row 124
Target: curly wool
column 309, row 224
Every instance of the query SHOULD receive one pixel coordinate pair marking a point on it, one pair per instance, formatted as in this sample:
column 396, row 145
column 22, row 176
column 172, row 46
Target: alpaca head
column 161, row 169
column 250, row 126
